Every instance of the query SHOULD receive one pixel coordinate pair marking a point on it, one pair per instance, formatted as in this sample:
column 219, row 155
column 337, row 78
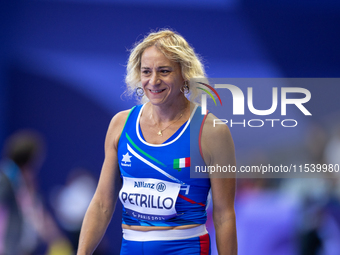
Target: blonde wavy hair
column 175, row 48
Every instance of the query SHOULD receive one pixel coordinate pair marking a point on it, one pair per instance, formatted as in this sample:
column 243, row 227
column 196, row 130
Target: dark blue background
column 63, row 62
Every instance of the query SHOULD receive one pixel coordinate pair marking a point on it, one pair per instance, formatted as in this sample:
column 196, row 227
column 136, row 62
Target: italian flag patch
column 180, row 163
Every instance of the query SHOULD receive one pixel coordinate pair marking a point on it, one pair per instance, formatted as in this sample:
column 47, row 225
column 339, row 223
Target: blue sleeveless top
column 157, row 188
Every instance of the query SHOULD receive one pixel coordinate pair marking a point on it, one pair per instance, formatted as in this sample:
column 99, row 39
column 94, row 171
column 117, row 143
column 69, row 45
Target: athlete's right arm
column 101, row 208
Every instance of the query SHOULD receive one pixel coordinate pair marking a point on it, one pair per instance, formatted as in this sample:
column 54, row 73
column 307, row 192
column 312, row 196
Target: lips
column 156, row 91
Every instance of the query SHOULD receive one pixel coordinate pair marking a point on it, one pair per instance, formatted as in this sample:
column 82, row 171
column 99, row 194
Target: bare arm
column 218, row 149
column 101, row 208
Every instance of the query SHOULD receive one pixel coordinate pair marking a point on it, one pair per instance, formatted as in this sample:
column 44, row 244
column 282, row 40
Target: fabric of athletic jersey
column 199, row 245
column 139, row 159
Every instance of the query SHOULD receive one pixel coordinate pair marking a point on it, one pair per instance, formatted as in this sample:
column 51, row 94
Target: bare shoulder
column 116, row 127
column 119, row 118
column 215, row 131
column 214, row 127
column 216, row 140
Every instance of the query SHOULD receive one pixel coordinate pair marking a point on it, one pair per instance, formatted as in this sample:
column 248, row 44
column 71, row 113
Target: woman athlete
column 147, row 160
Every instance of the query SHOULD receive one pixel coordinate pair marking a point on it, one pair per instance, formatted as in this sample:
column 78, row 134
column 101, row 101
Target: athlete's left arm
column 218, row 151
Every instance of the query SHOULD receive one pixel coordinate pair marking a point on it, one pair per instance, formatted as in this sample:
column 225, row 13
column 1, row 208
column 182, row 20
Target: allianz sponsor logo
column 159, row 187
column 144, row 185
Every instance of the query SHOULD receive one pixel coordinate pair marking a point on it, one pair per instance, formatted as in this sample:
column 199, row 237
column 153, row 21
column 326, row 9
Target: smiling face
column 161, row 77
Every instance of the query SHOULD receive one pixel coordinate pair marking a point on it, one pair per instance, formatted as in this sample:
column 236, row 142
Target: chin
column 156, row 102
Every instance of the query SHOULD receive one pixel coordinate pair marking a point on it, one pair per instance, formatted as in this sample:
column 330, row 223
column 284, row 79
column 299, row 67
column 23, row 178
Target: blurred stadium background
column 62, row 66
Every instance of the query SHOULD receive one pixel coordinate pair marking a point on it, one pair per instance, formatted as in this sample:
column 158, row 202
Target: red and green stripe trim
column 143, row 152
column 189, row 200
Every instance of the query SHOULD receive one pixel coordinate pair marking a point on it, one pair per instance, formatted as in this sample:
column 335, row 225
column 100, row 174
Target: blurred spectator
column 319, row 223
column 26, row 226
column 70, row 202
column 332, row 150
column 315, row 143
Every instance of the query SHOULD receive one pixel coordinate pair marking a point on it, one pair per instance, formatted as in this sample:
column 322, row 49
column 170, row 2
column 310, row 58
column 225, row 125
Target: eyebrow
column 160, row 67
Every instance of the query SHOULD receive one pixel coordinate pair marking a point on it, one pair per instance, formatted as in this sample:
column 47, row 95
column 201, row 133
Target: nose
column 154, row 79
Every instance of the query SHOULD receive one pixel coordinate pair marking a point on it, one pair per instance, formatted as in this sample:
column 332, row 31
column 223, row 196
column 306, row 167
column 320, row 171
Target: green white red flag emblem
column 180, row 163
